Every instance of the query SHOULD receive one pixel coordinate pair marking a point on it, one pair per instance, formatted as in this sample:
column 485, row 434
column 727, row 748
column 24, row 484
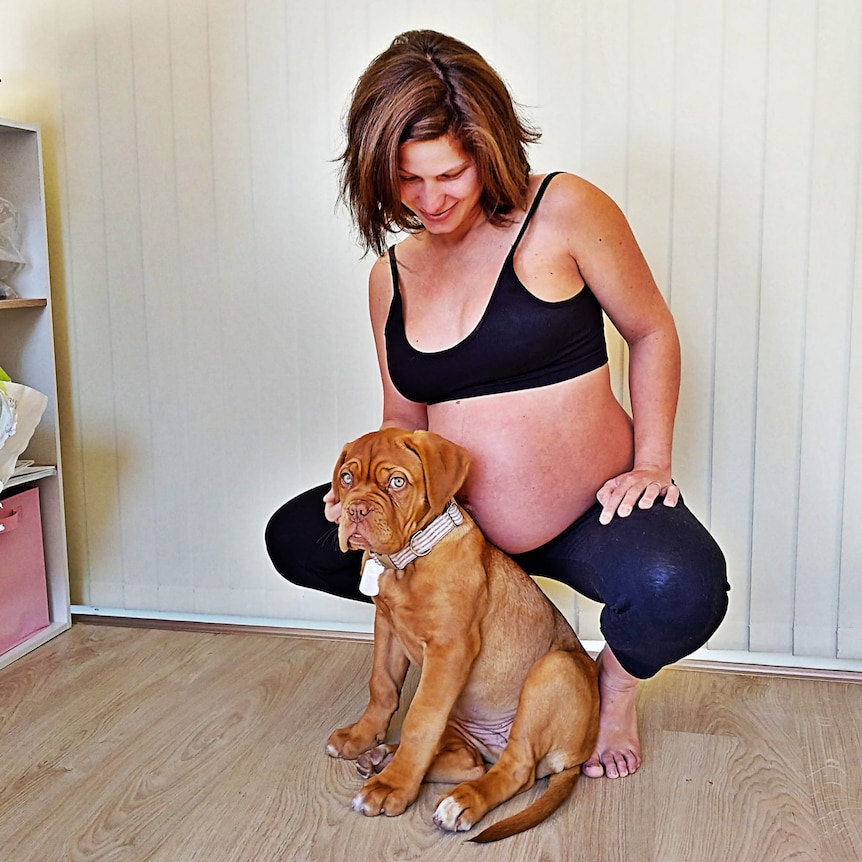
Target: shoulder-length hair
column 425, row 86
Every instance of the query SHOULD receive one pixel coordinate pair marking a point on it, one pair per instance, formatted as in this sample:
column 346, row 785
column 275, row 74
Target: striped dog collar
column 424, row 540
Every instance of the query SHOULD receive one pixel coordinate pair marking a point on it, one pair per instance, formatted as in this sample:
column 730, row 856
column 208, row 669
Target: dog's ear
column 444, row 463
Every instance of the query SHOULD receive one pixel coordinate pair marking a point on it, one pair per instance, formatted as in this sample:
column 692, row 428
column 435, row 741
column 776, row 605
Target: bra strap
column 396, row 287
column 534, row 206
column 393, row 266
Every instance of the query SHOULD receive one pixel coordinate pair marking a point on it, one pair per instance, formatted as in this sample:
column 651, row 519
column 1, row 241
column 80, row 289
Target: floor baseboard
column 724, row 662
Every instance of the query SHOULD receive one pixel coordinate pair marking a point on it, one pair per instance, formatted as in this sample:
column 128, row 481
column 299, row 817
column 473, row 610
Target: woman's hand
column 639, row 488
column 331, row 507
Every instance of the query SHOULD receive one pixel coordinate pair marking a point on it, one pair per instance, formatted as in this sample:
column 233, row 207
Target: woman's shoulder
column 571, row 202
column 380, row 274
column 384, row 271
column 565, row 189
column 407, row 254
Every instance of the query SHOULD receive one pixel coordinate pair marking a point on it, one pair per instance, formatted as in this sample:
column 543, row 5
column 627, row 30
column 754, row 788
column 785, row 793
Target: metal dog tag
column 371, row 572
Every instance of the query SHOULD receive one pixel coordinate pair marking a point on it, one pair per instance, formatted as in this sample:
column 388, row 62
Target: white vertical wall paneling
column 828, row 295
column 650, row 145
column 850, row 579
column 693, row 256
column 739, row 231
column 516, row 46
column 209, row 491
column 358, row 394
column 474, row 23
column 269, row 276
column 604, row 60
column 791, row 50
column 92, row 342
column 604, row 78
column 163, row 388
column 560, row 90
column 327, row 334
column 212, row 305
column 648, row 201
column 317, row 301
column 130, row 518
column 386, row 19
column 234, row 292
column 314, row 294
column 274, row 268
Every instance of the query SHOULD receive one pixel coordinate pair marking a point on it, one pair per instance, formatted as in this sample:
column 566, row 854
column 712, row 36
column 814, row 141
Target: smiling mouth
column 438, row 216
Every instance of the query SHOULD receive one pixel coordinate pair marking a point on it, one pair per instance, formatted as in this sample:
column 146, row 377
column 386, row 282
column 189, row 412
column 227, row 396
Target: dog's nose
column 357, row 510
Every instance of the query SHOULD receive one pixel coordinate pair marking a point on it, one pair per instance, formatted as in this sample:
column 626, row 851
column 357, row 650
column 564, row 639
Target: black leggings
column 659, row 574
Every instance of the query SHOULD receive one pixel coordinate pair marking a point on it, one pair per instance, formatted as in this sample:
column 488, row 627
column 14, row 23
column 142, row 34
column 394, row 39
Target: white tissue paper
column 21, row 408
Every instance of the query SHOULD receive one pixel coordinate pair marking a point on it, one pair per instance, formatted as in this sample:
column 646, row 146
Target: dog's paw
column 373, row 762
column 349, row 742
column 452, row 816
column 461, row 808
column 380, row 797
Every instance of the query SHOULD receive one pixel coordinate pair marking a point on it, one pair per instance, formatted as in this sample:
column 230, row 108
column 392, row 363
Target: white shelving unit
column 27, row 355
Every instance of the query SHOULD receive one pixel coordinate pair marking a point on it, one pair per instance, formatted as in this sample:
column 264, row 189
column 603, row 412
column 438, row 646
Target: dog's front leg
column 388, row 671
column 445, row 670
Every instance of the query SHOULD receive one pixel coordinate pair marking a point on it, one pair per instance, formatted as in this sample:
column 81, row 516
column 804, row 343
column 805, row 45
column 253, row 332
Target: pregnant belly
column 538, row 456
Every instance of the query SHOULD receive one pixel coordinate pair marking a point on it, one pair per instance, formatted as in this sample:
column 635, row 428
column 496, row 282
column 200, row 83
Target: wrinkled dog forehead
column 377, row 467
column 435, row 466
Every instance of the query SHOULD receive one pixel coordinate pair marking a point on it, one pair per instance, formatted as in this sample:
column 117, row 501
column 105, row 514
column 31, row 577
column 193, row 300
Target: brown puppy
column 504, row 679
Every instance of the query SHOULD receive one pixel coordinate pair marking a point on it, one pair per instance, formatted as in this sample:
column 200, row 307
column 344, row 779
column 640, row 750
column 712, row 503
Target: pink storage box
column 23, row 586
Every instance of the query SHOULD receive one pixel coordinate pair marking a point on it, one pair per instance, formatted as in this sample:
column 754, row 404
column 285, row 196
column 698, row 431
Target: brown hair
column 424, row 86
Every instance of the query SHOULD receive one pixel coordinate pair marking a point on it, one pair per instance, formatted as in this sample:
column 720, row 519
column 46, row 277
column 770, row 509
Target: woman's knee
column 685, row 598
column 293, row 531
column 303, row 547
column 675, row 601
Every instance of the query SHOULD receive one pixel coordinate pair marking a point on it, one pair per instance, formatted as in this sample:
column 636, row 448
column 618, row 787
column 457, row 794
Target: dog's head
column 391, row 483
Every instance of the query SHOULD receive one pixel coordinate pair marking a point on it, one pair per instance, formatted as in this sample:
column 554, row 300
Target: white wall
column 214, row 344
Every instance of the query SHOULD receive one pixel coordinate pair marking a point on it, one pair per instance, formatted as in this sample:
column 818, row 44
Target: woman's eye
column 346, row 479
column 397, row 483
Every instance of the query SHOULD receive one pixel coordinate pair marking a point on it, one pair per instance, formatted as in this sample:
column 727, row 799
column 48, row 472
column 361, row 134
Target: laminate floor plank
column 174, row 746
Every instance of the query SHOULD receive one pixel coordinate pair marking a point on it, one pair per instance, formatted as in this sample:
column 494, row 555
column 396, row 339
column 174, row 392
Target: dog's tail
column 560, row 786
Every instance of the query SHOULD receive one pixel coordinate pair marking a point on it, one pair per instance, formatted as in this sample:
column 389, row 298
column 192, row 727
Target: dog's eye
column 346, row 479
column 397, row 483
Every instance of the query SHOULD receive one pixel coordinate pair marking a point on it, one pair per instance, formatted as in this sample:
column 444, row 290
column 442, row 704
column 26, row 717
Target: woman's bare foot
column 618, row 750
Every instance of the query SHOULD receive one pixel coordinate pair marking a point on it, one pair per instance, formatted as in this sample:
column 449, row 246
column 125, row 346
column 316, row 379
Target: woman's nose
column 433, row 196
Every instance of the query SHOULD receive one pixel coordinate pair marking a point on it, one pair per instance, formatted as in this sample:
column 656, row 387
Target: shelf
column 27, row 355
column 7, row 304
column 29, row 474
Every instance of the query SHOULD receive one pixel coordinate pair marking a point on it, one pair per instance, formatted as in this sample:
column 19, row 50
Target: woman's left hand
column 639, row 488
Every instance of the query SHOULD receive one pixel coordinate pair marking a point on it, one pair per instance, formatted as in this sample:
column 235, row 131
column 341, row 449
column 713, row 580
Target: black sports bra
column 521, row 342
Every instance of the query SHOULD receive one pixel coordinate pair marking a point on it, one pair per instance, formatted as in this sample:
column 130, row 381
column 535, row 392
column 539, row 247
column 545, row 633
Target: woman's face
column 439, row 184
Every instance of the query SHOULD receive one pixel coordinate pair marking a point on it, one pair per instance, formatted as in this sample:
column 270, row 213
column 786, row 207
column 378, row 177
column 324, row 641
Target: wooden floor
column 136, row 744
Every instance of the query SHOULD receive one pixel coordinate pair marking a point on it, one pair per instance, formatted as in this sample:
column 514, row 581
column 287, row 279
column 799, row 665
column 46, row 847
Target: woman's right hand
column 331, row 507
